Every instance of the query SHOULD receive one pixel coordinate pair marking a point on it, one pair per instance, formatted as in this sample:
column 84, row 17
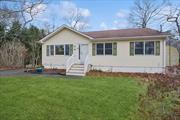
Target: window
column 108, row 48
column 149, row 48
column 59, row 49
column 145, row 48
column 139, row 48
column 67, row 50
column 105, row 49
column 99, row 48
column 49, row 50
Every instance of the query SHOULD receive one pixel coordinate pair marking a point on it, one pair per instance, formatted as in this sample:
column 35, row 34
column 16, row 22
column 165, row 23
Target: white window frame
column 49, row 52
column 144, row 49
column 64, row 45
column 59, row 45
column 135, row 48
column 104, row 49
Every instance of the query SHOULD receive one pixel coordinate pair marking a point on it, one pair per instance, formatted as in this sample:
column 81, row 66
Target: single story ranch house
column 125, row 50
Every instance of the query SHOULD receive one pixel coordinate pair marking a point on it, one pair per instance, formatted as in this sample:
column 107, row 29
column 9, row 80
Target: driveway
column 13, row 72
column 20, row 72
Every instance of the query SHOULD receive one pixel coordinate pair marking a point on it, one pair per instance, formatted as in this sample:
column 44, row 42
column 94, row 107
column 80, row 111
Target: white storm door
column 83, row 52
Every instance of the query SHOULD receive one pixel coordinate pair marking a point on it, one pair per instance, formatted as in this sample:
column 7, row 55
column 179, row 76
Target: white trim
column 136, row 37
column 130, row 69
column 58, row 30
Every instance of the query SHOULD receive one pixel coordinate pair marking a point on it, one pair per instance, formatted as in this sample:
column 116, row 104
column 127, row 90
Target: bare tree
column 173, row 16
column 12, row 53
column 76, row 20
column 47, row 27
column 18, row 10
column 144, row 12
column 25, row 9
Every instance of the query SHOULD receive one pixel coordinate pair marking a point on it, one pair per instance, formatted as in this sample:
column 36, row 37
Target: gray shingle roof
column 124, row 33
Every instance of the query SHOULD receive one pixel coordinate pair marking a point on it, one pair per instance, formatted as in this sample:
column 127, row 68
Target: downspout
column 170, row 54
column 165, row 52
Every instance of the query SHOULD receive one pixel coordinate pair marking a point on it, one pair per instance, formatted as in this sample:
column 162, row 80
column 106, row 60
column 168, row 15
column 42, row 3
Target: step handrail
column 86, row 64
column 70, row 61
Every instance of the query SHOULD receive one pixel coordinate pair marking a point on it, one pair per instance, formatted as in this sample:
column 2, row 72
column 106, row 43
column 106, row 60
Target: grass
column 61, row 98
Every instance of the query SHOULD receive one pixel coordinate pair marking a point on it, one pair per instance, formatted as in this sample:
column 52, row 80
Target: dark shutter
column 115, row 49
column 70, row 49
column 157, row 47
column 93, row 49
column 131, row 48
column 47, row 50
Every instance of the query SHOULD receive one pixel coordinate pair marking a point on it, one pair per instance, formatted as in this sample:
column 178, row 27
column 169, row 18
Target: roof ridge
column 119, row 29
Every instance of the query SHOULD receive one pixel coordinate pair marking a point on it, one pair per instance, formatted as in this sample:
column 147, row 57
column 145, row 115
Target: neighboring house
column 125, row 50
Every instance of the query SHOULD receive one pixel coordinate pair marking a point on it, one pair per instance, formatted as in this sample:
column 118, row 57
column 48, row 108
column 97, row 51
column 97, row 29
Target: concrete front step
column 75, row 74
column 76, row 71
column 78, row 66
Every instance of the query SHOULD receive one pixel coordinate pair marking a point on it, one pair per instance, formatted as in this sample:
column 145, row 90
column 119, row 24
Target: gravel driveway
column 13, row 72
column 20, row 72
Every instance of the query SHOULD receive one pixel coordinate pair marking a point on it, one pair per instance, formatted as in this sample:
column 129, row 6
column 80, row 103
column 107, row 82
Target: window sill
column 105, row 55
column 144, row 55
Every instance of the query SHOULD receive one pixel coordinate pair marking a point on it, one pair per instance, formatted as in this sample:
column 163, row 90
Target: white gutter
column 136, row 37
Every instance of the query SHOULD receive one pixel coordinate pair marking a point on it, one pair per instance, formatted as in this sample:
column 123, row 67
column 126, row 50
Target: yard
column 68, row 98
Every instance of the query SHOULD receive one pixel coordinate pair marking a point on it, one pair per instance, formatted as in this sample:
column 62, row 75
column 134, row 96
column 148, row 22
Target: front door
column 83, row 52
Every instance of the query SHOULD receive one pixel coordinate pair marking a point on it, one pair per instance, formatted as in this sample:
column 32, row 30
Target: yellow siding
column 172, row 56
column 123, row 57
column 63, row 37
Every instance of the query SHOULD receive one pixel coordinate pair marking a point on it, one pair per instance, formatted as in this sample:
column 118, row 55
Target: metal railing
column 70, row 61
column 86, row 64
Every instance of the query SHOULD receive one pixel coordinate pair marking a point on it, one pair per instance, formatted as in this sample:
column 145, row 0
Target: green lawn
column 52, row 98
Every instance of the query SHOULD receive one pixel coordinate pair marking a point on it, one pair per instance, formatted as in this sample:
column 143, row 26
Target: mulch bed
column 50, row 71
column 173, row 70
column 159, row 79
column 58, row 71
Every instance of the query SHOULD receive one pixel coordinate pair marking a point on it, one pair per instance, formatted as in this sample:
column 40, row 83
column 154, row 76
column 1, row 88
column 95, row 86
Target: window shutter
column 157, row 48
column 115, row 49
column 131, row 48
column 47, row 50
column 93, row 49
column 70, row 49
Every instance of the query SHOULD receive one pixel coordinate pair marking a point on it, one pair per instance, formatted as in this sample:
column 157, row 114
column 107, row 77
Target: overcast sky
column 102, row 14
